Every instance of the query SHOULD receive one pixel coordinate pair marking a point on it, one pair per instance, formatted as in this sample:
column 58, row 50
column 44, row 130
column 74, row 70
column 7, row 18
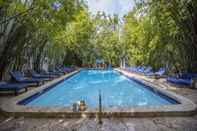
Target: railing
column 100, row 109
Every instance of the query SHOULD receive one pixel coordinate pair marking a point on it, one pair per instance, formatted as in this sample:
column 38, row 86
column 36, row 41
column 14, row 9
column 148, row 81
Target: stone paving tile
column 130, row 124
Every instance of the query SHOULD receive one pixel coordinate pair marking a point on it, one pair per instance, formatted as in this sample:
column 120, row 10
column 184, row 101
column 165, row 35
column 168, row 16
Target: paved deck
column 113, row 124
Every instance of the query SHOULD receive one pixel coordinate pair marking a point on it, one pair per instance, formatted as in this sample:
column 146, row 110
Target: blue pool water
column 116, row 90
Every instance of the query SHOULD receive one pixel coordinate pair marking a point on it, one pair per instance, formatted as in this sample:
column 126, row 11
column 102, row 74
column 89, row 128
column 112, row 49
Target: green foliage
column 157, row 33
column 160, row 32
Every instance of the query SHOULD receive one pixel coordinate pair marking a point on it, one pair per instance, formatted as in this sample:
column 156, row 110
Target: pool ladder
column 100, row 109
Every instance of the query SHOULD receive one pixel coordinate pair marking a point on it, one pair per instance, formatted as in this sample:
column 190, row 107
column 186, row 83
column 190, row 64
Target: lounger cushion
column 12, row 86
column 179, row 81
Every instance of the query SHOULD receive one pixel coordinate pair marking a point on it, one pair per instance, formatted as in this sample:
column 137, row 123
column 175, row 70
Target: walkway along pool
column 122, row 96
column 116, row 90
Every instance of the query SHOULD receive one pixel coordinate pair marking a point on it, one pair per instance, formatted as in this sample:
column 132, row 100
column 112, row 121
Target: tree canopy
column 163, row 33
column 160, row 33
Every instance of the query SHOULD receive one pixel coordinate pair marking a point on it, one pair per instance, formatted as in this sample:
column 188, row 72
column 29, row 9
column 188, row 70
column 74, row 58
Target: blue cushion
column 179, row 81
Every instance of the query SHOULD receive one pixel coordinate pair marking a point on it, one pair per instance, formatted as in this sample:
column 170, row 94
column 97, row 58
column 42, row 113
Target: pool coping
column 11, row 108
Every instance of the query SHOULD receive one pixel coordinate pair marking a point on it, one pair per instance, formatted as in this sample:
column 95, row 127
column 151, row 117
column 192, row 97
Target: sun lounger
column 148, row 70
column 36, row 75
column 157, row 74
column 186, row 79
column 68, row 69
column 180, row 81
column 60, row 70
column 56, row 72
column 18, row 77
column 16, row 87
column 43, row 72
column 189, row 75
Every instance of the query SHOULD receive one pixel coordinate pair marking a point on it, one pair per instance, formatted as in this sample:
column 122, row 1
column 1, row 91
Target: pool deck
column 9, row 106
column 163, row 123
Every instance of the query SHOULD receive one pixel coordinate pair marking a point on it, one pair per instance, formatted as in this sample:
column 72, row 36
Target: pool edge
column 186, row 108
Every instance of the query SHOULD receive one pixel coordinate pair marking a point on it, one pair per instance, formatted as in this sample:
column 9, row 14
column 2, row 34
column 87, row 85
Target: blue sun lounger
column 141, row 69
column 53, row 74
column 18, row 77
column 148, row 70
column 188, row 75
column 36, row 75
column 180, row 81
column 67, row 69
column 60, row 70
column 56, row 72
column 159, row 73
column 16, row 87
column 184, row 79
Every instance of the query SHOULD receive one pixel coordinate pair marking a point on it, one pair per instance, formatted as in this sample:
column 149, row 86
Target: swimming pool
column 116, row 89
